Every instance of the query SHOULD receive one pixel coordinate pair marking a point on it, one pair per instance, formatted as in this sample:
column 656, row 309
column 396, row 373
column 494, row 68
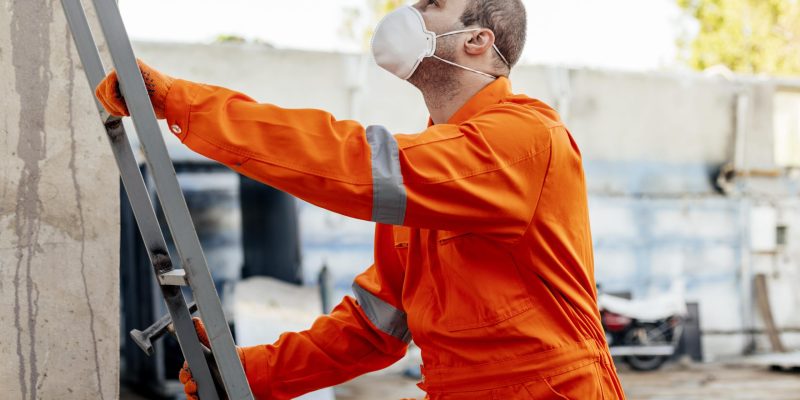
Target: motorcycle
column 646, row 332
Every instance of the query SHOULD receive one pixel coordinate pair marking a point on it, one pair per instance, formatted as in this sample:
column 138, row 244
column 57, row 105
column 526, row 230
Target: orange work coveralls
column 483, row 252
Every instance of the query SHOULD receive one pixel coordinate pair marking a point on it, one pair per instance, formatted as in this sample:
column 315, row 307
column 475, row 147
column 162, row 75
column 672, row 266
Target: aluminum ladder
column 232, row 382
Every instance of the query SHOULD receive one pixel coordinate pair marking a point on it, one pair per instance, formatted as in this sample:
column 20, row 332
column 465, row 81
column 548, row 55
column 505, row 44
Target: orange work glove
column 185, row 376
column 157, row 84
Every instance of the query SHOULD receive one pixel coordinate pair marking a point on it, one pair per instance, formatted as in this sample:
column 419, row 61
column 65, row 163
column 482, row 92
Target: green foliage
column 376, row 9
column 229, row 39
column 747, row 36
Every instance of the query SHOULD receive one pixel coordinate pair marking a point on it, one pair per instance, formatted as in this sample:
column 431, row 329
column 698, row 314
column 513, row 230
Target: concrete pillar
column 59, row 217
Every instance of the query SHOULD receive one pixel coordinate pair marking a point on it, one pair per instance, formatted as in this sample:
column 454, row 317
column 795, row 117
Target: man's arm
column 360, row 335
column 337, row 348
column 483, row 176
column 357, row 337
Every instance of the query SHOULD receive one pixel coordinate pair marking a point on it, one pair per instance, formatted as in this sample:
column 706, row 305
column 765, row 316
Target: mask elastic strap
column 494, row 46
column 502, row 57
column 457, row 32
column 463, row 67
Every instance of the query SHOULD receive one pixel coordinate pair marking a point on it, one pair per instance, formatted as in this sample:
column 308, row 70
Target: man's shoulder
column 539, row 112
column 521, row 112
column 515, row 127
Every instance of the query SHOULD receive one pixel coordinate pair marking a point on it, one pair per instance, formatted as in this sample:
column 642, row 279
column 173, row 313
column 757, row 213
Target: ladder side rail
column 140, row 201
column 172, row 201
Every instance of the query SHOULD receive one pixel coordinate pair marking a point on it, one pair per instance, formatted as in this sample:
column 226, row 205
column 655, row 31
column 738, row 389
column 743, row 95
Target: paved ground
column 715, row 382
column 674, row 382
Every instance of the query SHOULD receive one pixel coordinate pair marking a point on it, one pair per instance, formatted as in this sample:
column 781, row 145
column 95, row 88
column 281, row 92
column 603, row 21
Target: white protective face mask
column 401, row 41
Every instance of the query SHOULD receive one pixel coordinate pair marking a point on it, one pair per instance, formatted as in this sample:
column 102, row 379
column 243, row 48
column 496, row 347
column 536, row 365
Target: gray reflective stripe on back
column 388, row 193
column 383, row 315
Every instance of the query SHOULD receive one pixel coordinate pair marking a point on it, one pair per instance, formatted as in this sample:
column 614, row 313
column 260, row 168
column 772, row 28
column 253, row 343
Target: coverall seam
column 569, row 308
column 583, row 324
column 455, row 235
column 567, row 370
column 521, row 307
column 533, row 377
column 550, row 387
column 471, row 174
column 535, row 209
column 456, row 135
column 505, row 105
column 599, row 377
column 260, row 157
column 459, row 130
column 193, row 93
column 530, row 356
column 188, row 122
column 513, row 257
column 546, row 124
column 295, row 168
column 284, row 381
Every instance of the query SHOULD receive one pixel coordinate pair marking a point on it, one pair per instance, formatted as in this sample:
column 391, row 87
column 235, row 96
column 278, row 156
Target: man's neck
column 443, row 104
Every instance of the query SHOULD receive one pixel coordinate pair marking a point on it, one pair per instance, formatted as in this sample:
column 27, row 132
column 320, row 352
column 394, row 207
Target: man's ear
column 480, row 42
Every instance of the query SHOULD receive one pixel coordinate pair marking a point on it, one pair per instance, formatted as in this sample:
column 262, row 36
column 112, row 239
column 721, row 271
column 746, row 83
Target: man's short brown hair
column 506, row 18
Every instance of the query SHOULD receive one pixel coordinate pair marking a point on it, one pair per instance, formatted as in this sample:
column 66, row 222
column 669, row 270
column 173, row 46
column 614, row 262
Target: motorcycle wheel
column 644, row 363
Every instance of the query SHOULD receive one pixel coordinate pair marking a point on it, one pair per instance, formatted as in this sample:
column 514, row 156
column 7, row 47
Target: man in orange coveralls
column 483, row 253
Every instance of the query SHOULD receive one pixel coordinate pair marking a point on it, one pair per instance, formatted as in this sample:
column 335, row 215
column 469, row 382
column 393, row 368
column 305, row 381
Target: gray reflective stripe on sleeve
column 388, row 193
column 383, row 315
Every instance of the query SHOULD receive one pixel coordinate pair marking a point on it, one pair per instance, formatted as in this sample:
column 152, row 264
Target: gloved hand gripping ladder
column 195, row 274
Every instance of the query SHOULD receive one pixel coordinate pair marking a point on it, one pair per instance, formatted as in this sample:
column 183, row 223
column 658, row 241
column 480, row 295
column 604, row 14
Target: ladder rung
column 176, row 277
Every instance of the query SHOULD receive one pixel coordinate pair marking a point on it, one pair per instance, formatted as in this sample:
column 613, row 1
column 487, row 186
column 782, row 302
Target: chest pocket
column 474, row 281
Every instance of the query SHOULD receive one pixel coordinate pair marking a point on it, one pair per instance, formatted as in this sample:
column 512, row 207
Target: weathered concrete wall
column 59, row 213
column 652, row 147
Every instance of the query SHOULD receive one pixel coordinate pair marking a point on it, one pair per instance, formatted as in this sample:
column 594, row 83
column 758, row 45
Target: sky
column 634, row 35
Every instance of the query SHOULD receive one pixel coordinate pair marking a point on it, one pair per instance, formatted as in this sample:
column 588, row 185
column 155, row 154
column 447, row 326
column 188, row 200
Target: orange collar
column 493, row 93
